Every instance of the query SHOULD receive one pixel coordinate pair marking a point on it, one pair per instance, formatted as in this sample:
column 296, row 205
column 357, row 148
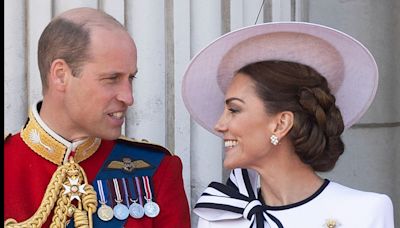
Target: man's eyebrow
column 116, row 73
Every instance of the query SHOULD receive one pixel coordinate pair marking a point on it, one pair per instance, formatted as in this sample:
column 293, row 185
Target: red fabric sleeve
column 27, row 175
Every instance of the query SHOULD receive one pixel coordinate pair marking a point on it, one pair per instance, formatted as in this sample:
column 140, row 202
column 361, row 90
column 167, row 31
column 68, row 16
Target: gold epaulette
column 58, row 199
column 145, row 144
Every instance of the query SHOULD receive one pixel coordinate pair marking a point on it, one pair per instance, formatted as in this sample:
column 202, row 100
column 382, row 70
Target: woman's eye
column 233, row 110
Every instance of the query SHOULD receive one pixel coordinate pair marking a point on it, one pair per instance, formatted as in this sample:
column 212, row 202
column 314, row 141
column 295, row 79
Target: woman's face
column 245, row 125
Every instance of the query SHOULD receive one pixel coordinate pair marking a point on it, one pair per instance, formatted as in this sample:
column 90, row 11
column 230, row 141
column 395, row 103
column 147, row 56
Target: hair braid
column 322, row 126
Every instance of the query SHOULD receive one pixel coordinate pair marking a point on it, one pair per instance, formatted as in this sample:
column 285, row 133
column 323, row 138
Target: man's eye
column 132, row 77
column 113, row 78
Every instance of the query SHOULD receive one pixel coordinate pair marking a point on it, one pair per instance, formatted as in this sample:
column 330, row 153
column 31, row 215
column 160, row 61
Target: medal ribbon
column 147, row 188
column 125, row 191
column 101, row 192
column 117, row 192
column 132, row 190
column 139, row 189
column 111, row 189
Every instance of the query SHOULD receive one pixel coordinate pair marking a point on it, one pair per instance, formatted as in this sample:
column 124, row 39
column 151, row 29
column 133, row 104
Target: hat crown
column 348, row 66
column 284, row 46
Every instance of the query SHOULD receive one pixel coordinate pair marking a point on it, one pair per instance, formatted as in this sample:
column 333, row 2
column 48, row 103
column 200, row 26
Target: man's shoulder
column 7, row 135
column 12, row 139
column 144, row 144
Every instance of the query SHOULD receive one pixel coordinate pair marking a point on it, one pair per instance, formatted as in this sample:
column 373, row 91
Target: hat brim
column 348, row 66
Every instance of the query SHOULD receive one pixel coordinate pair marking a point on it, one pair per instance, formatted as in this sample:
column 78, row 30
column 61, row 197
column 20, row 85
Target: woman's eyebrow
column 229, row 100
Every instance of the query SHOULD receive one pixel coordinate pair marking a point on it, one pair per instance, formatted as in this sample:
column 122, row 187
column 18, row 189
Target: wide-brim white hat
column 348, row 66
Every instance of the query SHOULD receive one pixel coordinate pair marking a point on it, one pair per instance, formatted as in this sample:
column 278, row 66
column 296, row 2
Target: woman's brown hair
column 318, row 123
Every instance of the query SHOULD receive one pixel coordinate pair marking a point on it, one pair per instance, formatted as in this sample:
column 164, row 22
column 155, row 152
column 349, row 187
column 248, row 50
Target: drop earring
column 274, row 139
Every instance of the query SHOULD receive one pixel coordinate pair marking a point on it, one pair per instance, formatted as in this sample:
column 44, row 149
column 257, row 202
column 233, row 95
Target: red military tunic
column 28, row 171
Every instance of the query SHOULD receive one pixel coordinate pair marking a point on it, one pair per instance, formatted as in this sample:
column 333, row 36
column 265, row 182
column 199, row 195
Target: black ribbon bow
column 237, row 198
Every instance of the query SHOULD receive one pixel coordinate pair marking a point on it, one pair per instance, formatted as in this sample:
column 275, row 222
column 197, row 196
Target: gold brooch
column 128, row 164
column 331, row 223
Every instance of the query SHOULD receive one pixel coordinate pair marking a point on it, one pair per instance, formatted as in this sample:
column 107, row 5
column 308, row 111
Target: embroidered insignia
column 46, row 144
column 35, row 138
column 128, row 164
column 331, row 223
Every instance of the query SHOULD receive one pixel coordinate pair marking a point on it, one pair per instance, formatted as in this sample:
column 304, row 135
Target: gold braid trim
column 47, row 204
column 89, row 202
column 61, row 212
column 55, row 193
column 81, row 219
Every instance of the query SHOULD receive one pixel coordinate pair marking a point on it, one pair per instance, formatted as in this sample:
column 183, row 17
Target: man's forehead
column 89, row 17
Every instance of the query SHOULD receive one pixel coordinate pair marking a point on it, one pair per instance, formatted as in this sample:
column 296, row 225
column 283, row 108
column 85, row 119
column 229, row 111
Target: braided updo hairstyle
column 318, row 123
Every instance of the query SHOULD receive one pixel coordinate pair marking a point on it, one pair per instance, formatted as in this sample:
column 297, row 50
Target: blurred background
column 169, row 33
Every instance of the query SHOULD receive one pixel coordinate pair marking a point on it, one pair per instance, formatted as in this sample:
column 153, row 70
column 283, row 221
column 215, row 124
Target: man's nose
column 126, row 94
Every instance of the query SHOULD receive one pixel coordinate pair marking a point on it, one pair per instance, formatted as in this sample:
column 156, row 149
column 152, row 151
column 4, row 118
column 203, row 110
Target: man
column 69, row 165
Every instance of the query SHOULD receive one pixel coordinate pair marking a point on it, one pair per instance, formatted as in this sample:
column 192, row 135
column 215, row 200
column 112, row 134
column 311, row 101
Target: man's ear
column 284, row 122
column 59, row 73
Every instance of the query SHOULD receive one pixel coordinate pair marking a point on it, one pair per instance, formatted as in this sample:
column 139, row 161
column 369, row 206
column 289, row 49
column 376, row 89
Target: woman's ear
column 284, row 122
column 59, row 73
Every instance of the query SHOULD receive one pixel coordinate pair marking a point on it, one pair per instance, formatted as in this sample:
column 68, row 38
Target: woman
column 290, row 91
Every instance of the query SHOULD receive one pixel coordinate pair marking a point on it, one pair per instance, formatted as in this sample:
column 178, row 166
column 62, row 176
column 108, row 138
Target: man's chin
column 111, row 136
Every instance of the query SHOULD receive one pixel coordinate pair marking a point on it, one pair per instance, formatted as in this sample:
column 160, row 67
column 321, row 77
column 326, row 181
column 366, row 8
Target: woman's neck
column 286, row 180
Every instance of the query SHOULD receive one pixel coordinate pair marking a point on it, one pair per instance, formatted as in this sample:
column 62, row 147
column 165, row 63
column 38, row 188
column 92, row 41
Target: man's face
column 96, row 101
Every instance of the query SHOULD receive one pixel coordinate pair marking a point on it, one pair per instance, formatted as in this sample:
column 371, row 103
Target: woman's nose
column 221, row 125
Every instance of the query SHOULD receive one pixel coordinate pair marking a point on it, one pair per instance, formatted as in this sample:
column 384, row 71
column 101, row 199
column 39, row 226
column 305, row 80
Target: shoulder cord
column 55, row 193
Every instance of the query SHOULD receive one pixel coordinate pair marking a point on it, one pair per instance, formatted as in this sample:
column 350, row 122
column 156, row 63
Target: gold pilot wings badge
column 128, row 164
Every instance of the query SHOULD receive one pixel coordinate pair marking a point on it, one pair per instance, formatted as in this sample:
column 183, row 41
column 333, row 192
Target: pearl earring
column 274, row 139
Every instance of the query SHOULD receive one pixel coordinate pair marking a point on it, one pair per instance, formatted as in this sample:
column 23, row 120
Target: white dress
column 332, row 206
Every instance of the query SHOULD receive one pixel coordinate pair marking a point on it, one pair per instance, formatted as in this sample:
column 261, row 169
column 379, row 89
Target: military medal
column 136, row 210
column 151, row 209
column 121, row 211
column 105, row 212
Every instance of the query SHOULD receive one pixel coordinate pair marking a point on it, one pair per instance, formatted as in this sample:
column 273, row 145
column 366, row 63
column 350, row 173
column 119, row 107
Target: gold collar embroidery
column 53, row 147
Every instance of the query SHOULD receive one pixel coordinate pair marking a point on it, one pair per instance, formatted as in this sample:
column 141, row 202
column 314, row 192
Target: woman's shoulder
column 372, row 200
column 228, row 223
